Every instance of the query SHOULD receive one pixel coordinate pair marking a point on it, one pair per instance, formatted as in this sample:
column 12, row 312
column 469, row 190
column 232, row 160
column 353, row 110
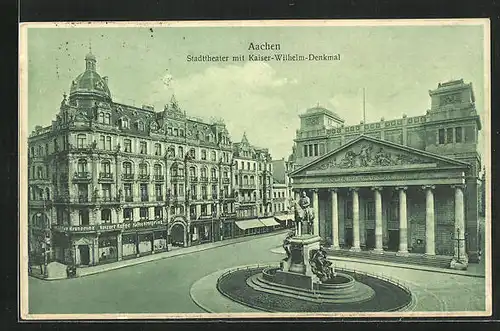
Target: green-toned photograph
column 273, row 169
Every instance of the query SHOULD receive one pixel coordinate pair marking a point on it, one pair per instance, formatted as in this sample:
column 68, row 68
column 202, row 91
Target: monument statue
column 287, row 243
column 304, row 215
column 320, row 266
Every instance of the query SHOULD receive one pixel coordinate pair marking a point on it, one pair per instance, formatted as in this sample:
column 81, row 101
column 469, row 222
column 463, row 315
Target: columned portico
column 403, row 221
column 430, row 248
column 378, row 220
column 355, row 219
column 335, row 218
column 385, row 198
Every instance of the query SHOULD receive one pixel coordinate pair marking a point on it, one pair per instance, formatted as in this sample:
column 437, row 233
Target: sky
column 397, row 66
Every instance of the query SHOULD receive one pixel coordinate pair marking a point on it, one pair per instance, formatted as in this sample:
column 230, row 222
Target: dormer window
column 107, row 118
column 140, row 126
column 124, row 123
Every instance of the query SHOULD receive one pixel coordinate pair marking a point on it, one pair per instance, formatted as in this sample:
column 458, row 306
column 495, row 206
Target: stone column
column 459, row 233
column 335, row 219
column 430, row 248
column 355, row 220
column 403, row 222
column 378, row 220
column 316, row 212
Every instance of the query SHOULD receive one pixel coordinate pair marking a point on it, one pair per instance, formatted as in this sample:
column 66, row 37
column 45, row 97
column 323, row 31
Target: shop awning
column 269, row 221
column 284, row 218
column 249, row 224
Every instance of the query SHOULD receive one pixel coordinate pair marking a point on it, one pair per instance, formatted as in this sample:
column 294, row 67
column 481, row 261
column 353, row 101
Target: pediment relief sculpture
column 371, row 156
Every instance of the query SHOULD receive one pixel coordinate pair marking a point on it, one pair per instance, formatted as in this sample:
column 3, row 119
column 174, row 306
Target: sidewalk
column 473, row 270
column 86, row 271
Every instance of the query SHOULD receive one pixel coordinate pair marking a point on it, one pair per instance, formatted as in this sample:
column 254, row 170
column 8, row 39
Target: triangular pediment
column 367, row 154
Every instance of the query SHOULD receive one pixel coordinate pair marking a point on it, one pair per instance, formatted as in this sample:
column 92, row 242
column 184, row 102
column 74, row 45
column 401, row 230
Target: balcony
column 159, row 178
column 128, row 177
column 248, row 186
column 83, row 198
column 144, row 198
column 109, row 199
column 129, row 198
column 204, row 179
column 193, row 179
column 82, row 177
column 105, row 177
column 143, row 177
column 177, row 178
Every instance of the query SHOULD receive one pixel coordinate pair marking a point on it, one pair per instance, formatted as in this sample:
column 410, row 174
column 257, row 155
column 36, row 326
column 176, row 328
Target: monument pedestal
column 296, row 270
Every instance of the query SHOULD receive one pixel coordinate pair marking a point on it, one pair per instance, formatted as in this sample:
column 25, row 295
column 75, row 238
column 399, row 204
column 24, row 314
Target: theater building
column 109, row 181
column 409, row 185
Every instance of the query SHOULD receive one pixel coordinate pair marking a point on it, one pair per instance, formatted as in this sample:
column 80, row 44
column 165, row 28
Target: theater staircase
column 436, row 261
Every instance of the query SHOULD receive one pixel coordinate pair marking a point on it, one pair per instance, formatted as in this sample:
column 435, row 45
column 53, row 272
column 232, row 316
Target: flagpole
column 364, row 106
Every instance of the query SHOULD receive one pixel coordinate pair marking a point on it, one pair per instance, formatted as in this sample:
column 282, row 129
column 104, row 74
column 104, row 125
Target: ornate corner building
column 408, row 185
column 110, row 181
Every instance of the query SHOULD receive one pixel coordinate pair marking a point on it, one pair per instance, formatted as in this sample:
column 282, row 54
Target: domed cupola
column 89, row 85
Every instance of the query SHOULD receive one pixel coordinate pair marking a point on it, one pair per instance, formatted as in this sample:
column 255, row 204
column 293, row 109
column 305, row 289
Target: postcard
column 242, row 169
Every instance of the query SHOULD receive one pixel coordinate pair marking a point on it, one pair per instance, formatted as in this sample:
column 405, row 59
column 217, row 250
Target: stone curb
column 398, row 265
column 165, row 255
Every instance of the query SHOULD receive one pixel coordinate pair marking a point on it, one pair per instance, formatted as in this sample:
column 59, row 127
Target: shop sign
column 82, row 228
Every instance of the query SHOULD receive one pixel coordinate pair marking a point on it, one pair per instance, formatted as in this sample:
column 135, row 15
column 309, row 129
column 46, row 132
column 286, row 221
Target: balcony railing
column 109, row 199
column 83, row 198
column 129, row 198
column 193, row 179
column 159, row 198
column 105, row 176
column 143, row 177
column 144, row 198
column 128, row 176
column 203, row 179
column 177, row 177
column 159, row 177
column 226, row 180
column 214, row 179
column 82, row 176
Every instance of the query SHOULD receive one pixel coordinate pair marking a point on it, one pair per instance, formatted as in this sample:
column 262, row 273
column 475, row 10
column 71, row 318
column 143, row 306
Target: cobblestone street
column 163, row 286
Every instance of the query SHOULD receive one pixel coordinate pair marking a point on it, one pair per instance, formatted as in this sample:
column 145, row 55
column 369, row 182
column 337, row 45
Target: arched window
column 107, row 118
column 143, row 168
column 82, row 166
column 203, row 172
column 127, row 168
column 213, row 156
column 214, row 173
column 158, row 169
column 181, row 210
column 175, row 170
column 181, row 151
column 203, row 154
column 245, row 180
column 252, row 180
column 47, row 193
column 39, row 172
column 172, row 210
column 101, row 118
